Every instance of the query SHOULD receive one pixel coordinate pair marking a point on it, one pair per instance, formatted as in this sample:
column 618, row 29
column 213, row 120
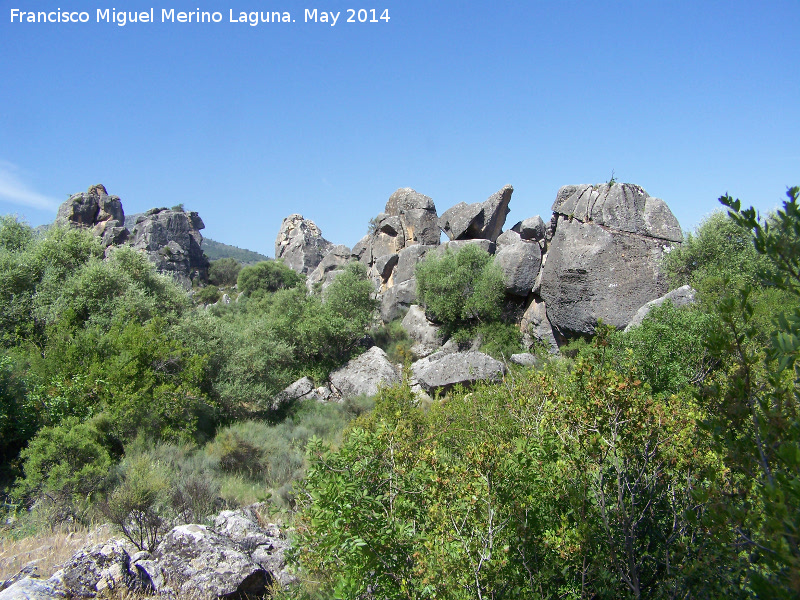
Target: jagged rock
column 300, row 244
column 427, row 336
column 195, row 561
column 682, row 296
column 442, row 371
column 536, row 327
column 363, row 374
column 29, row 588
column 520, row 263
column 171, row 239
column 621, row 207
column 337, row 257
column 594, row 273
column 384, row 267
column 302, row 388
column 89, row 208
column 477, row 221
column 417, row 214
column 531, row 229
column 97, row 569
column 407, row 261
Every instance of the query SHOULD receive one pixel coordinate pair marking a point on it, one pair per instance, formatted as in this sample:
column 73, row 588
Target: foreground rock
column 442, row 371
column 300, row 244
column 604, row 258
column 364, row 374
column 236, row 558
column 171, row 239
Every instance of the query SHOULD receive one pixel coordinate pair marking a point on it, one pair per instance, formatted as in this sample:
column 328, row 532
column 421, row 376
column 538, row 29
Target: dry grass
column 48, row 550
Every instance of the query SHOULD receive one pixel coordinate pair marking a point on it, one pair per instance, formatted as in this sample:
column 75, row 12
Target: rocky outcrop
column 336, row 258
column 171, row 239
column 237, row 557
column 363, row 375
column 300, row 244
column 97, row 211
column 520, row 263
column 682, row 296
column 441, row 371
column 603, row 261
column 477, row 221
column 417, row 214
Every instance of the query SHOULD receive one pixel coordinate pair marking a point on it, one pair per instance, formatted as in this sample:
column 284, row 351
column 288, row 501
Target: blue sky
column 454, row 99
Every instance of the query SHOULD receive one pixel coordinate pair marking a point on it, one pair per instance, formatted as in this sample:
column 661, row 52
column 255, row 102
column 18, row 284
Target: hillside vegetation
column 662, row 462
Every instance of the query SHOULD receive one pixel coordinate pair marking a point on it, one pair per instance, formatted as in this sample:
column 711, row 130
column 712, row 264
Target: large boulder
column 171, row 239
column 98, row 569
column 97, row 211
column 417, row 214
column 535, row 326
column 337, row 257
column 195, row 561
column 30, row 588
column 427, row 337
column 480, row 220
column 682, row 296
column 364, row 374
column 300, row 244
column 520, row 263
column 593, row 273
column 441, row 371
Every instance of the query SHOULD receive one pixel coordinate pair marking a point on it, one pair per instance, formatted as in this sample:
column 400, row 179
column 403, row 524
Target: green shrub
column 460, row 289
column 224, row 272
column 207, row 295
column 267, row 276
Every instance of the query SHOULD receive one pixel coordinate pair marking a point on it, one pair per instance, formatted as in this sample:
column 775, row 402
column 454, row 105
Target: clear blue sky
column 455, row 99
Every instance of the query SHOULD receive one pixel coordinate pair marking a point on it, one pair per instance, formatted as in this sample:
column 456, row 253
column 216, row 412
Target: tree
column 267, row 276
column 224, row 272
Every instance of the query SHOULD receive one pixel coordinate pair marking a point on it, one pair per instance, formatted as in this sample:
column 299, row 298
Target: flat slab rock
column 442, row 371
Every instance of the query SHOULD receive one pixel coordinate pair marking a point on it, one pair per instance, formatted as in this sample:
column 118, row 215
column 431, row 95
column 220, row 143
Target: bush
column 208, row 295
column 267, row 276
column 460, row 289
column 224, row 272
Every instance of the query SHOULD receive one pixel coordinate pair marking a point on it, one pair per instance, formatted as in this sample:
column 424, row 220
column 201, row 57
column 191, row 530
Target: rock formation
column 97, row 211
column 300, row 244
column 171, row 239
column 480, row 220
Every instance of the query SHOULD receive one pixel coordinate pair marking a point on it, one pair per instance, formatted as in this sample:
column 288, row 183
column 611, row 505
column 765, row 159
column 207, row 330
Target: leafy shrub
column 267, row 276
column 207, row 295
column 461, row 288
column 224, row 272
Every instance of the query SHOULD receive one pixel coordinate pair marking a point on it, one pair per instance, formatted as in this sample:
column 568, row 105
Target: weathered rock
column 417, row 214
column 300, row 244
column 682, row 296
column 426, row 335
column 507, row 238
column 363, row 374
column 29, row 588
column 300, row 389
column 384, row 267
column 407, row 261
column 531, row 229
column 622, row 207
column 89, row 208
column 195, row 561
column 536, row 327
column 97, row 569
column 594, row 273
column 171, row 239
column 442, row 371
column 520, row 263
column 524, row 359
column 398, row 298
column 478, row 221
column 337, row 257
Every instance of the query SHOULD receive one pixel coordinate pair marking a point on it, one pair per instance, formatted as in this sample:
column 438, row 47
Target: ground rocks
column 300, row 244
column 363, row 374
column 29, row 588
column 442, row 371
